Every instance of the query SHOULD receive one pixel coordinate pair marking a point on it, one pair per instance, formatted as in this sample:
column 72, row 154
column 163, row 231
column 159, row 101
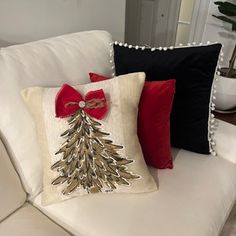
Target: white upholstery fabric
column 194, row 199
column 225, row 137
column 49, row 62
column 28, row 221
column 12, row 195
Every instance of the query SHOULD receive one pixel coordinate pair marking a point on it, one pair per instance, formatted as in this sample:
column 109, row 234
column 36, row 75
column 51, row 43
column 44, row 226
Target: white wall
column 28, row 20
column 216, row 30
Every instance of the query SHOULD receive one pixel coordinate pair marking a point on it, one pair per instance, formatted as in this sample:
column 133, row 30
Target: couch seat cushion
column 194, row 199
column 225, row 137
column 12, row 194
column 28, row 221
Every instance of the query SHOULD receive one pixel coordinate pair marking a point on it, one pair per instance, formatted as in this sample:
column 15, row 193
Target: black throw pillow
column 194, row 69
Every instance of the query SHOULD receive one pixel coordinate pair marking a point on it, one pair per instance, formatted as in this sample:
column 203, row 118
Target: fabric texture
column 194, row 199
column 229, row 228
column 123, row 94
column 50, row 62
column 69, row 100
column 154, row 121
column 96, row 78
column 225, row 137
column 28, row 221
column 12, row 194
column 194, row 69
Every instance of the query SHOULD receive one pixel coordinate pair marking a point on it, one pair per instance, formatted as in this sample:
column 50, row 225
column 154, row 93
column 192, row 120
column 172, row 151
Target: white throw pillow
column 49, row 62
column 225, row 137
column 84, row 153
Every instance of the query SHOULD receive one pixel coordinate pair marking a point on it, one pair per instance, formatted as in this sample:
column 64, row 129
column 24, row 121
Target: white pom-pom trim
column 212, row 122
column 213, row 153
column 112, row 59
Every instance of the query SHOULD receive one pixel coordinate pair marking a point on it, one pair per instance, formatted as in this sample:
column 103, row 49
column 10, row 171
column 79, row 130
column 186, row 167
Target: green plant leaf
column 226, row 8
column 228, row 20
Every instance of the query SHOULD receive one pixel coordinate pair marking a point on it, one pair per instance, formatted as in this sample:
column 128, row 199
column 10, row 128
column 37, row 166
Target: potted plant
column 226, row 89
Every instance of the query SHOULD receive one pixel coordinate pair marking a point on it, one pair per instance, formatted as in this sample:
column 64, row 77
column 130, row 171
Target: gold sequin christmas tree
column 89, row 160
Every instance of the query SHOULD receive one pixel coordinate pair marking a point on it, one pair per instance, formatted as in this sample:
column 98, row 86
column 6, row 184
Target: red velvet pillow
column 154, row 121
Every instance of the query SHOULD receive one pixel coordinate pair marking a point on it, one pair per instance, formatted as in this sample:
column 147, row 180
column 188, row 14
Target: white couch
column 194, row 199
column 17, row 216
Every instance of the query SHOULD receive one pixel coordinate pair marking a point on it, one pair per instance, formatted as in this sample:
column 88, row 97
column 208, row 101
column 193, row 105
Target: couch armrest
column 12, row 194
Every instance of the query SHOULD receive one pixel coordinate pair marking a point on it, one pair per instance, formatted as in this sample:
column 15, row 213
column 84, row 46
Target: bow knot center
column 90, row 104
column 82, row 104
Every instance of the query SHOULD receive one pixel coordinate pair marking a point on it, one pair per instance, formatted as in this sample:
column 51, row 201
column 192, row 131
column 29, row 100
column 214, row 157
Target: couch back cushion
column 12, row 194
column 50, row 62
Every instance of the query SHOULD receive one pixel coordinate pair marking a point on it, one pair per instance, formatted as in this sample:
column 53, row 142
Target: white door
column 191, row 22
column 165, row 22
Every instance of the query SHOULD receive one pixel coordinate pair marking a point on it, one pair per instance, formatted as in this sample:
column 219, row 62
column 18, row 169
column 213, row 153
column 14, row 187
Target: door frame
column 173, row 18
column 133, row 21
column 170, row 9
column 198, row 22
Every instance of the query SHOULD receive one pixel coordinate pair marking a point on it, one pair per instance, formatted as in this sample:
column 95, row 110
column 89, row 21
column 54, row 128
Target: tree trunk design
column 89, row 160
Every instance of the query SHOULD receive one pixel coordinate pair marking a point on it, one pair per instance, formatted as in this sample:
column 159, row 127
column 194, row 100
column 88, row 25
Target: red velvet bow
column 69, row 100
